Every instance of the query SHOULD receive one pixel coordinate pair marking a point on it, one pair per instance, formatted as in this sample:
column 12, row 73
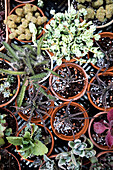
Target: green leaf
column 25, row 148
column 2, row 142
column 12, row 72
column 39, row 149
column 39, row 45
column 27, row 153
column 11, row 51
column 14, row 140
column 52, row 72
column 73, row 159
column 27, row 135
column 38, row 76
column 4, row 56
column 16, row 47
column 22, row 93
column 93, row 159
column 8, row 132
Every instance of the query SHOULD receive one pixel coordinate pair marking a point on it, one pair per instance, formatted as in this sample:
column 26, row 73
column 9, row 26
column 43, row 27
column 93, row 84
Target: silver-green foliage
column 67, row 36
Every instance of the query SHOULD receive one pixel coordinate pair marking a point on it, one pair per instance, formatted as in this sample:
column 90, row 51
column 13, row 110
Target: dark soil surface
column 97, row 98
column 99, row 138
column 13, row 83
column 2, row 25
column 7, row 161
column 63, row 126
column 106, row 44
column 11, row 123
column 71, row 84
column 43, row 107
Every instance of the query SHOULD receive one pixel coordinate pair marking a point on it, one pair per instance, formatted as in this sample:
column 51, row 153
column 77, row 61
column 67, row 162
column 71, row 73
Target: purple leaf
column 109, row 139
column 110, row 115
column 99, row 127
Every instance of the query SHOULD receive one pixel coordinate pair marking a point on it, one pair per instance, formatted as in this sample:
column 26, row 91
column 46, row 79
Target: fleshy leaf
column 39, row 149
column 110, row 115
column 2, row 142
column 99, row 127
column 109, row 140
column 14, row 140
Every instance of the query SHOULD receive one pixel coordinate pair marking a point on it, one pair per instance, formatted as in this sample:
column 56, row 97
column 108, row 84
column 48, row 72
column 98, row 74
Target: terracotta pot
column 90, row 135
column 102, row 153
column 14, row 157
column 52, row 143
column 24, row 2
column 104, row 34
column 89, row 97
column 6, row 13
column 18, row 86
column 83, row 130
column 39, row 10
column 52, row 156
column 79, row 95
column 10, row 114
column 36, row 120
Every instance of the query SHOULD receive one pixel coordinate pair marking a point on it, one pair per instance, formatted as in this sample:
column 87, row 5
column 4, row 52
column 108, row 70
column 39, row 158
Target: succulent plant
column 72, row 159
column 4, row 131
column 27, row 59
column 29, row 141
column 100, row 127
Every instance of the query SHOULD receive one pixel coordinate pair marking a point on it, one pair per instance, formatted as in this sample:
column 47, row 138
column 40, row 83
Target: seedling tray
column 60, row 145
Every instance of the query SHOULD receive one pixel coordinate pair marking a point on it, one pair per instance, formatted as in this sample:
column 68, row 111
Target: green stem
column 91, row 145
column 12, row 72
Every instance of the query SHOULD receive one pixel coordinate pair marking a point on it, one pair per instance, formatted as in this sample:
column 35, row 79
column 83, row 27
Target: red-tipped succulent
column 100, row 127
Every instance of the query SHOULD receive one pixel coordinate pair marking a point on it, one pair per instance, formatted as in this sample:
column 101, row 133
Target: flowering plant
column 67, row 36
column 100, row 127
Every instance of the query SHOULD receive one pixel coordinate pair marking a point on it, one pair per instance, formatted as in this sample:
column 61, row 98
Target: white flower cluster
column 68, row 36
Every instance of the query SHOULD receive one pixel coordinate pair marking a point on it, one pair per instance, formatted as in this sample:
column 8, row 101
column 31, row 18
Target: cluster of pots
column 70, row 97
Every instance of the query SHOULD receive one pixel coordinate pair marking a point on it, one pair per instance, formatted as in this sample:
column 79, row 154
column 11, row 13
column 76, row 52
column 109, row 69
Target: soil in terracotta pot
column 11, row 79
column 7, row 161
column 62, row 126
column 89, row 5
column 97, row 98
column 71, row 84
column 2, row 25
column 106, row 44
column 99, row 138
column 11, row 123
column 44, row 107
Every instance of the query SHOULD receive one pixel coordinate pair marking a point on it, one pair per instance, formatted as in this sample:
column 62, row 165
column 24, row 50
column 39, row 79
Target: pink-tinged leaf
column 109, row 139
column 110, row 115
column 99, row 127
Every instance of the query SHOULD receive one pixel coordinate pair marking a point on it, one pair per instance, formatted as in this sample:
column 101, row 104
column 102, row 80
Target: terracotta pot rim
column 104, row 34
column 83, row 130
column 25, row 2
column 18, row 86
column 52, row 143
column 82, row 92
column 20, row 5
column 104, row 152
column 10, row 114
column 19, row 167
column 88, row 94
column 89, row 132
column 37, row 120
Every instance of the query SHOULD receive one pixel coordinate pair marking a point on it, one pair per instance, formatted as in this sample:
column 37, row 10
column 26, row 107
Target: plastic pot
column 39, row 10
column 18, row 86
column 52, row 143
column 89, row 96
column 82, row 131
column 36, row 120
column 90, row 135
column 10, row 115
column 81, row 93
column 104, row 34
